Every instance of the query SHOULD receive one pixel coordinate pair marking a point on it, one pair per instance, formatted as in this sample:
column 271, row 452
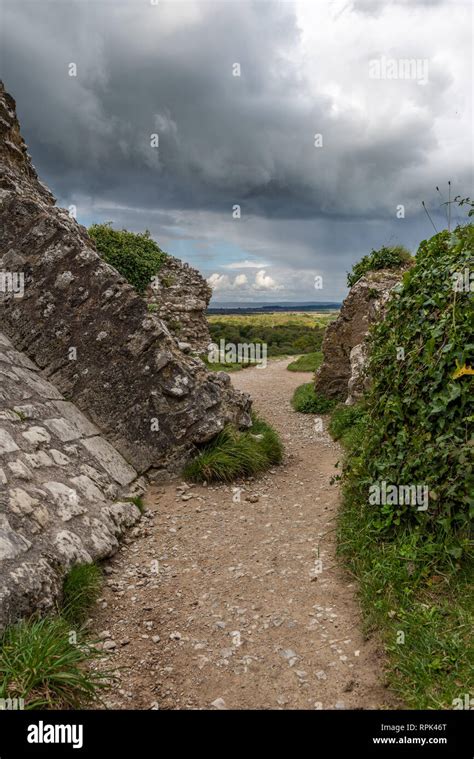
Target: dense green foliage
column 306, row 401
column 136, row 256
column 281, row 340
column 420, row 414
column 40, row 663
column 309, row 362
column 385, row 258
column 413, row 428
column 233, row 454
column 81, row 588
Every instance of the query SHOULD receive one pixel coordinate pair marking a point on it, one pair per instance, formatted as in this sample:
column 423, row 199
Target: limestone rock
column 93, row 336
column 358, row 381
column 181, row 296
column 342, row 371
column 57, row 507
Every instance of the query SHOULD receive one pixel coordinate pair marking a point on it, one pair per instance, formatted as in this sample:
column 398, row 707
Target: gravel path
column 216, row 602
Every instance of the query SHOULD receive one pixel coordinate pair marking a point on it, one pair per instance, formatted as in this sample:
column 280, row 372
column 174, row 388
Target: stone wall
column 62, row 489
column 91, row 333
column 342, row 374
column 181, row 297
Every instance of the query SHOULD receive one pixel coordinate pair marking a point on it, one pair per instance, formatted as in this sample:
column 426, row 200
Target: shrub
column 385, row 258
column 419, row 420
column 233, row 454
column 40, row 664
column 81, row 588
column 306, row 401
column 136, row 256
column 307, row 363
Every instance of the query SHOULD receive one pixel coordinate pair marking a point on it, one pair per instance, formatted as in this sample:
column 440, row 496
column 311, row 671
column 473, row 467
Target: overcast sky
column 309, row 206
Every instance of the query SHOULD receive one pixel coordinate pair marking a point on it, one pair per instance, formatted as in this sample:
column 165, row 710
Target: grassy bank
column 413, row 558
column 309, row 362
column 421, row 609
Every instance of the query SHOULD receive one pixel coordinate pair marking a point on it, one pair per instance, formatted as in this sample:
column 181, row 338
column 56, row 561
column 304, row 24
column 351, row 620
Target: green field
column 276, row 319
column 285, row 334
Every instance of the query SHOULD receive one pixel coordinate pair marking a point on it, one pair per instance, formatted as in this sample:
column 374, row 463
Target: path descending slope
column 216, row 603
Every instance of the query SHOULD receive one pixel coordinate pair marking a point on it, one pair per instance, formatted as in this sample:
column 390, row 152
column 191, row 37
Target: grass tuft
column 81, row 588
column 306, row 401
column 137, row 500
column 40, row 664
column 233, row 454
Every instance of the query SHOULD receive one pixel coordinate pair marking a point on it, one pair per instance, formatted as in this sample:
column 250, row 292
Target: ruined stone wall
column 62, row 489
column 180, row 299
column 342, row 374
column 92, row 334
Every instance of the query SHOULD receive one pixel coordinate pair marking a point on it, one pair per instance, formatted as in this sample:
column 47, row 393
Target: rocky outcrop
column 180, row 298
column 91, row 334
column 62, row 489
column 341, row 375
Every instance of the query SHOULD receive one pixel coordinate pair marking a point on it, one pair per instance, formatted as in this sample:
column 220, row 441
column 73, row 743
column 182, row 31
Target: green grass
column 40, row 664
column 275, row 319
column 81, row 589
column 308, row 362
column 405, row 589
column 233, row 454
column 306, row 401
column 347, row 423
column 217, row 367
column 137, row 500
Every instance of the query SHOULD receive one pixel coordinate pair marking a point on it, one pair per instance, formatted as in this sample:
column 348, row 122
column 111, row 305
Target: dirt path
column 219, row 603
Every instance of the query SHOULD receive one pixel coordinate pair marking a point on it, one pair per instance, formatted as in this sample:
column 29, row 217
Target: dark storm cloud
column 167, row 69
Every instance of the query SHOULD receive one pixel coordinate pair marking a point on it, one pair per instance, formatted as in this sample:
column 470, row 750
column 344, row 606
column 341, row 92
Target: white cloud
column 220, row 282
column 265, row 282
